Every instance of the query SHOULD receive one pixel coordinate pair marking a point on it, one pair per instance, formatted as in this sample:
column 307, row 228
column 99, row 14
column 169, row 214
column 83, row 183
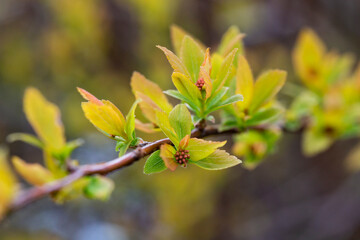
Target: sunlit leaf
column 192, row 56
column 308, row 55
column 244, row 82
column 177, row 37
column 146, row 127
column 266, row 87
column 166, row 128
column 264, row 116
column 225, row 102
column 44, row 117
column 130, row 121
column 8, row 184
column 150, row 94
column 180, row 120
column 199, row 148
column 231, row 39
column 186, row 87
column 178, row 95
column 218, row 160
column 224, row 71
column 175, row 62
column 103, row 115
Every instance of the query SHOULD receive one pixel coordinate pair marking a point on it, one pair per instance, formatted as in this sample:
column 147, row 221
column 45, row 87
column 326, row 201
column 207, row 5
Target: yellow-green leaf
column 174, row 61
column 244, row 82
column 99, row 187
column 8, row 183
column 224, row 71
column 104, row 115
column 199, row 148
column 167, row 154
column 308, row 56
column 177, row 37
column 45, row 119
column 33, row 173
column 166, row 128
column 218, row 160
column 28, row 138
column 231, row 39
column 130, row 120
column 186, row 87
column 192, row 56
column 314, row 142
column 180, row 120
column 266, row 87
column 146, row 127
column 142, row 87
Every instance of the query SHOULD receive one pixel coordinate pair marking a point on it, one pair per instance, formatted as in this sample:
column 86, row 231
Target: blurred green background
column 58, row 45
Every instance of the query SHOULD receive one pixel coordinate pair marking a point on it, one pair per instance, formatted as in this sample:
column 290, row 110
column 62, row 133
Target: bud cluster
column 200, row 83
column 182, row 157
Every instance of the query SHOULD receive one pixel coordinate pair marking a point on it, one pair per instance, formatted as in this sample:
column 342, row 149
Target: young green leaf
column 166, row 128
column 130, row 121
column 99, row 187
column 264, row 116
column 199, row 148
column 178, row 95
column 244, row 82
column 154, row 164
column 231, row 40
column 174, row 61
column 186, row 87
column 28, row 138
column 224, row 71
column 314, row 142
column 266, row 87
column 180, row 120
column 192, row 56
column 225, row 102
column 177, row 36
column 218, row 160
column 308, row 56
column 151, row 95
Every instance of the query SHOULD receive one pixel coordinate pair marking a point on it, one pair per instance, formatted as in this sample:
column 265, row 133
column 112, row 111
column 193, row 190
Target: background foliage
column 58, row 45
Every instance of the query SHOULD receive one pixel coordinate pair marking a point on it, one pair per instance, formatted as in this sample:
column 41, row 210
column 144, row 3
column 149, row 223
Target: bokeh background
column 58, row 45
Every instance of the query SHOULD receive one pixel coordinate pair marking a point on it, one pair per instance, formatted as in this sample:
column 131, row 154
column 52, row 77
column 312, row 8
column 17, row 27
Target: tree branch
column 145, row 149
column 39, row 192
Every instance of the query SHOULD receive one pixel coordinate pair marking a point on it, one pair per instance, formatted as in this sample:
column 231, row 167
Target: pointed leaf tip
column 88, row 96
